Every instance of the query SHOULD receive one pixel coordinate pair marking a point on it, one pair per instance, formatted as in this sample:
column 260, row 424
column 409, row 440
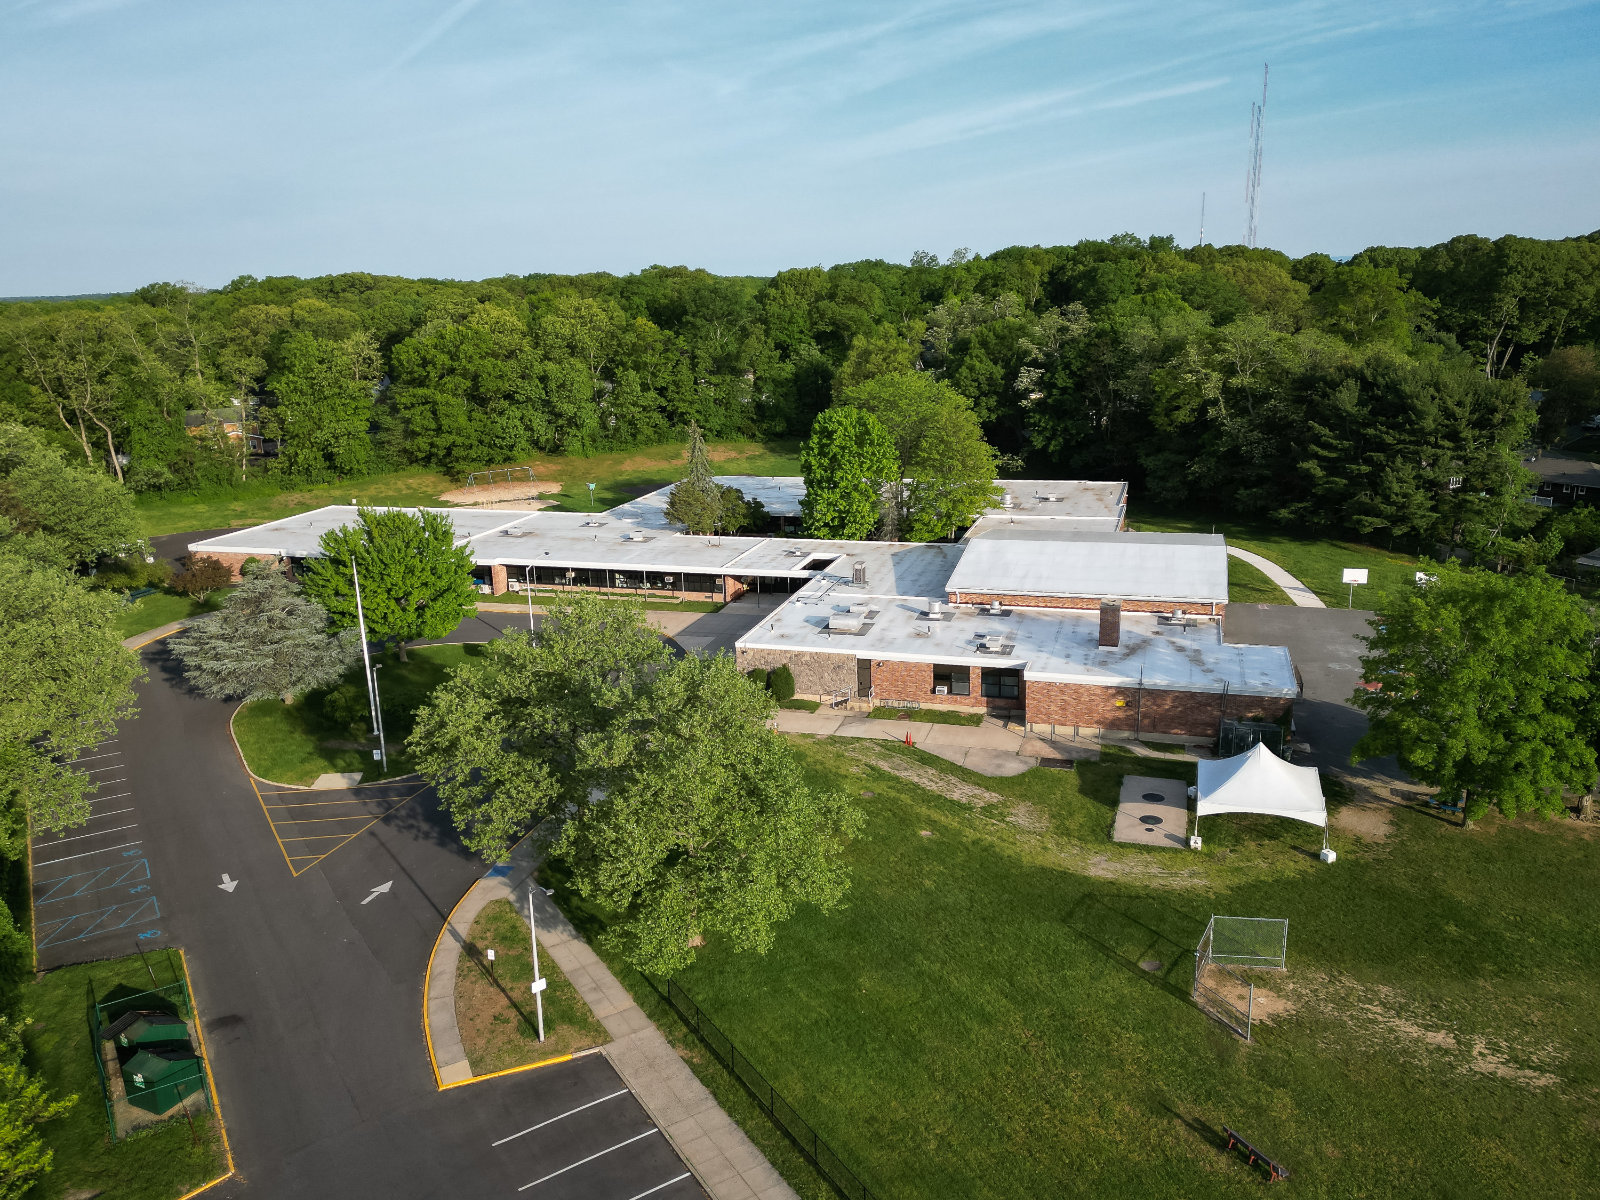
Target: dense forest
column 1387, row 396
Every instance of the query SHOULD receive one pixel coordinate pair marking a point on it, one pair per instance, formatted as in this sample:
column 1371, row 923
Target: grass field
column 618, row 476
column 1316, row 562
column 294, row 743
column 977, row 1023
column 161, row 1163
column 494, row 1007
column 1247, row 585
column 160, row 608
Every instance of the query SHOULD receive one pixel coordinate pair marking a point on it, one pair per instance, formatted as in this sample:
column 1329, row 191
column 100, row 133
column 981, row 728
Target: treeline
column 1387, row 396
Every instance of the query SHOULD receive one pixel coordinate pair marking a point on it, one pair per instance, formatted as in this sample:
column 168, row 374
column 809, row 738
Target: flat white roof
column 1050, row 645
column 780, row 494
column 1042, row 561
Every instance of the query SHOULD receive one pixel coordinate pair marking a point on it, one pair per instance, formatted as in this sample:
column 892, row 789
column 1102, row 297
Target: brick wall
column 1192, row 714
column 815, row 673
column 1086, row 602
column 914, row 681
column 234, row 561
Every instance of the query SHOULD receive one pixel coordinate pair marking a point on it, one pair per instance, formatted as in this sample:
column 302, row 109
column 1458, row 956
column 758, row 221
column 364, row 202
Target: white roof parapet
column 1159, row 567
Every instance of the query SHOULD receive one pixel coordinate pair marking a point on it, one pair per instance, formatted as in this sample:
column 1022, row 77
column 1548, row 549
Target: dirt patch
column 504, row 495
column 1373, row 821
column 937, row 782
column 1026, row 816
column 1138, row 867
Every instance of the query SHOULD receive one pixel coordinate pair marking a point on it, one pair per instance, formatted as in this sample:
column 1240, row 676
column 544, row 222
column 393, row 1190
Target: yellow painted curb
column 211, row 1080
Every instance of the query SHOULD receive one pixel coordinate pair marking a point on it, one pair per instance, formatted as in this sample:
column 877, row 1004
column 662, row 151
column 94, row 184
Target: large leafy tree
column 24, row 1106
column 682, row 811
column 415, row 581
column 324, row 404
column 847, row 463
column 945, row 474
column 65, row 681
column 268, row 640
column 1483, row 688
column 58, row 512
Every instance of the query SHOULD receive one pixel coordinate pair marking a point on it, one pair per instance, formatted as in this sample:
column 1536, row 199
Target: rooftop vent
column 591, row 525
column 845, row 622
column 794, row 553
column 1008, row 500
column 638, row 535
column 1052, row 498
column 858, row 573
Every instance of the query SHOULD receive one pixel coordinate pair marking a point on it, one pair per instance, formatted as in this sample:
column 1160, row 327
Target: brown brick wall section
column 1193, row 714
column 914, row 681
column 815, row 673
column 1087, row 602
column 234, row 561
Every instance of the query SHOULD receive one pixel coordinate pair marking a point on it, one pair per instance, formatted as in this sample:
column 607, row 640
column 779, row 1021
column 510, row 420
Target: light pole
column 538, row 983
column 527, row 586
column 383, row 747
column 591, row 497
column 366, row 663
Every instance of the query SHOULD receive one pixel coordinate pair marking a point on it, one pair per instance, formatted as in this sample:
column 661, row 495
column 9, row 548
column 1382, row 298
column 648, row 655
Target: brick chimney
column 1110, row 622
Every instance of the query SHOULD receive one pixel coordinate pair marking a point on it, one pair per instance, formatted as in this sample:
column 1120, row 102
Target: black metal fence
column 798, row 1130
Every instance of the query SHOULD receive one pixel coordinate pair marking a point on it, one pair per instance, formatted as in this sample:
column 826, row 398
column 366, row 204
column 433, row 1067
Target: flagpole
column 366, row 663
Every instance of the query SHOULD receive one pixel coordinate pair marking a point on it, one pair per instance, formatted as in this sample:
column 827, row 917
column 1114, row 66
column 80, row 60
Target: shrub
column 201, row 575
column 758, row 676
column 780, row 682
column 346, row 706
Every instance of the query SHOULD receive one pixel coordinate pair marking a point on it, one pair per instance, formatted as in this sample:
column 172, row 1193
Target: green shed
column 146, row 1028
column 162, row 1077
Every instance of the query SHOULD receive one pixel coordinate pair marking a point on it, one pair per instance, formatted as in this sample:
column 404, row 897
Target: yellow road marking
column 216, row 1106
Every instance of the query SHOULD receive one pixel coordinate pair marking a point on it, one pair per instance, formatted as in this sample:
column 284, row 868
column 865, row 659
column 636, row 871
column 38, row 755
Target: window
column 702, row 583
column 957, row 681
column 1002, row 685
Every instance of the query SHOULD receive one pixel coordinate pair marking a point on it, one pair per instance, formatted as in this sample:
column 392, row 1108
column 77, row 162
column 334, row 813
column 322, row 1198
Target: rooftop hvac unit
column 1008, row 500
column 845, row 623
column 858, row 573
column 1052, row 497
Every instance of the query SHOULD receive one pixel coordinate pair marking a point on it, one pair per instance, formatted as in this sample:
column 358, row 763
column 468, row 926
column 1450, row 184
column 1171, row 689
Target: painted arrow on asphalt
column 227, row 884
column 378, row 891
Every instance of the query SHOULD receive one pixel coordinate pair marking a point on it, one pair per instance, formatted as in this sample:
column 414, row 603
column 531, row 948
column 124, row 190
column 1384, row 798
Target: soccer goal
column 1229, row 946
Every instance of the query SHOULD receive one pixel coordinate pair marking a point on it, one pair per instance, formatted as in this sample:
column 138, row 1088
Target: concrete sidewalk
column 725, row 1161
column 1303, row 596
column 989, row 749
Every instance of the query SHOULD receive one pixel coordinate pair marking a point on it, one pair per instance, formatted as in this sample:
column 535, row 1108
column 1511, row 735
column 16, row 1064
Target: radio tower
column 1252, row 179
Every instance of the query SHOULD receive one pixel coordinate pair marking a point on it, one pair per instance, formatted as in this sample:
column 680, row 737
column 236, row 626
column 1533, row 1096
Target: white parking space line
column 115, row 812
column 590, row 1159
column 81, row 836
column 109, row 782
column 92, row 757
column 659, row 1186
column 50, row 862
column 563, row 1116
column 113, row 796
column 107, row 767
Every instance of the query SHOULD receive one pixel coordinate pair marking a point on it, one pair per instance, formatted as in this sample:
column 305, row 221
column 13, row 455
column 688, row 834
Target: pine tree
column 268, row 640
column 695, row 501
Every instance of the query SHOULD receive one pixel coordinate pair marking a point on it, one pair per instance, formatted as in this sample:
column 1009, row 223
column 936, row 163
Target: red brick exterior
column 1200, row 607
column 234, row 561
column 914, row 681
column 1190, row 714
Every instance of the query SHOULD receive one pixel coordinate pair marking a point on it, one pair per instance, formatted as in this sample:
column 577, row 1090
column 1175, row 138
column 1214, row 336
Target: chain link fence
column 783, row 1114
column 1228, row 945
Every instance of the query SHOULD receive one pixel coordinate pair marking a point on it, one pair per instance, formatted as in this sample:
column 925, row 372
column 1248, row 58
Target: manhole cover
column 1153, row 798
column 1150, row 819
column 1151, row 964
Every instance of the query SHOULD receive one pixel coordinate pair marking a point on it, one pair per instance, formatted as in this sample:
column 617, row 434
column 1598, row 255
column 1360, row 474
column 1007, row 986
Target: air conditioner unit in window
column 939, row 689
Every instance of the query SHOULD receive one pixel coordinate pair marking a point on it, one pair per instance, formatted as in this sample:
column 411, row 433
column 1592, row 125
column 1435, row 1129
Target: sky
column 199, row 140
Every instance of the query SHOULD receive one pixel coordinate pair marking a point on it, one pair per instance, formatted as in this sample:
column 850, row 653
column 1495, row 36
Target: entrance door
column 864, row 678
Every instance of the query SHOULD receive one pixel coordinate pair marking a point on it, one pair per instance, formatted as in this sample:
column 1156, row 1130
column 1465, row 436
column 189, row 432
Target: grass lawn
column 545, row 599
column 800, row 705
column 1247, row 585
column 976, row 1021
column 160, row 1163
column 1316, row 562
column 160, row 608
column 618, row 476
column 495, row 1009
column 294, row 743
column 933, row 716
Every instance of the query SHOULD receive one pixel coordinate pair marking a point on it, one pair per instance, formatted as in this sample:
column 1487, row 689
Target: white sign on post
column 1353, row 576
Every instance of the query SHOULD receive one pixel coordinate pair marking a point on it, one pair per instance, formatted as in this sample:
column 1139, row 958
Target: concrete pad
column 883, row 731
column 334, row 780
column 1152, row 812
column 997, row 764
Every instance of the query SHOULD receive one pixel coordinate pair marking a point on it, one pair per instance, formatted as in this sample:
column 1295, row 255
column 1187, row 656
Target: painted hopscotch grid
column 311, row 825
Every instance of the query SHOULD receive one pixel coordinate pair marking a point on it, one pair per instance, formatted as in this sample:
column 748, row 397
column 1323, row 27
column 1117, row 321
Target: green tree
column 65, row 681
column 703, row 823
column 945, row 474
column 1484, row 687
column 201, row 575
column 324, row 404
column 502, row 743
column 57, row 512
column 702, row 505
column 268, row 640
column 848, row 462
column 24, row 1106
column 415, row 581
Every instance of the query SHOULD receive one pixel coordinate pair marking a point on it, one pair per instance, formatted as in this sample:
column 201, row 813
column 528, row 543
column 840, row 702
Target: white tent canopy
column 1258, row 781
